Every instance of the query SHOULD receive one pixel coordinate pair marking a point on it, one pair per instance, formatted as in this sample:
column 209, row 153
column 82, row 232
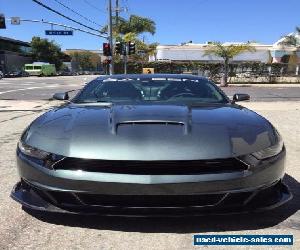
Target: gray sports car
column 142, row 145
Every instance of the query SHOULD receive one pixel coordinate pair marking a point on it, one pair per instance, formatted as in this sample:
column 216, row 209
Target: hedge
column 212, row 70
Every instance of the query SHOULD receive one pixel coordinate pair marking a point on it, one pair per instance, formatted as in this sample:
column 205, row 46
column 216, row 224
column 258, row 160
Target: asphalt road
column 42, row 88
column 39, row 88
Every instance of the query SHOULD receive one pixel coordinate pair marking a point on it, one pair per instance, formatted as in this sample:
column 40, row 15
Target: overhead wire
column 94, row 6
column 77, row 13
column 64, row 16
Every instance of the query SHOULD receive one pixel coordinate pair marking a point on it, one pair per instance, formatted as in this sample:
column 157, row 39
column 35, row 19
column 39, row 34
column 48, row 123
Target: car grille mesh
column 136, row 200
column 153, row 167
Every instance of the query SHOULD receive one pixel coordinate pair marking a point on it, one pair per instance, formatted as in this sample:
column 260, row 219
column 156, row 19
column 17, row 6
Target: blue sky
column 264, row 21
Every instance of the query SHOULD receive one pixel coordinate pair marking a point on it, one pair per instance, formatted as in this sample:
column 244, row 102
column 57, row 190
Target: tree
column 135, row 24
column 227, row 52
column 143, row 50
column 128, row 30
column 86, row 60
column 292, row 40
column 44, row 50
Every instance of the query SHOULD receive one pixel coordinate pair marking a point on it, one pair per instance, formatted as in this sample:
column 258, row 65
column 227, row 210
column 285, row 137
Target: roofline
column 15, row 41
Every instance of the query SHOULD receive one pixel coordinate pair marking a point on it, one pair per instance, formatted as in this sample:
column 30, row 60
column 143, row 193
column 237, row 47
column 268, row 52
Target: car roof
column 147, row 76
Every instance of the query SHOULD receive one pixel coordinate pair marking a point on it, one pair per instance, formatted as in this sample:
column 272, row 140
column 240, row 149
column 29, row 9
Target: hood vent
column 184, row 126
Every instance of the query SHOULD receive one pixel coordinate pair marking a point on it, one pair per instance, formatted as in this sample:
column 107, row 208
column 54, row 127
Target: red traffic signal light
column 106, row 61
column 106, row 49
column 2, row 22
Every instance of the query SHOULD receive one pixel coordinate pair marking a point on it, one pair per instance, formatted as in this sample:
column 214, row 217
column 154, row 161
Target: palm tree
column 129, row 30
column 292, row 40
column 135, row 24
column 147, row 49
column 227, row 52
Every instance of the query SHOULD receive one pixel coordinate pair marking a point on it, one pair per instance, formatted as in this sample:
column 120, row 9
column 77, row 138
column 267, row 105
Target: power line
column 61, row 25
column 60, row 14
column 75, row 12
column 93, row 6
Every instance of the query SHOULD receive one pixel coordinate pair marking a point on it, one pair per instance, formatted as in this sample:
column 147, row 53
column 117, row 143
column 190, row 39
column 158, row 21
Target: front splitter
column 33, row 201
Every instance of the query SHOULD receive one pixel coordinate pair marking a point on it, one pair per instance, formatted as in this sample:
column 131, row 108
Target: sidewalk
column 16, row 105
column 280, row 85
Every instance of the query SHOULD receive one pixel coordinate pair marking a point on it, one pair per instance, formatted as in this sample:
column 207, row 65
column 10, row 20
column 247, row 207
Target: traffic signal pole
column 125, row 59
column 110, row 37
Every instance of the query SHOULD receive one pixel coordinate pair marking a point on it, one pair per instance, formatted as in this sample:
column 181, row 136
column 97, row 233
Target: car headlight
column 39, row 156
column 270, row 151
column 33, row 152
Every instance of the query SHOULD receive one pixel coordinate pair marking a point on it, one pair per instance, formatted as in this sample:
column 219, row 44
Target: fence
column 215, row 70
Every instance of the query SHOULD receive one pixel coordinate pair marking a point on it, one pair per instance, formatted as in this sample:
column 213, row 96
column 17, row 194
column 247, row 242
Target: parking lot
column 23, row 99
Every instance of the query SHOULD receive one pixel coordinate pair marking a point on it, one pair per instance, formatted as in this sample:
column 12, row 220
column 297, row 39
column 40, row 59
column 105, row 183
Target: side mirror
column 241, row 97
column 61, row 96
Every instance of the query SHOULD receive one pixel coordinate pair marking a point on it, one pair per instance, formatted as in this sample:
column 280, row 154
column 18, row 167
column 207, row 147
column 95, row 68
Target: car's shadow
column 180, row 225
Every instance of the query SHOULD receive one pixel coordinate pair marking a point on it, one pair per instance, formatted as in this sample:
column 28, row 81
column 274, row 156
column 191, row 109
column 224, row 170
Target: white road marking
column 16, row 90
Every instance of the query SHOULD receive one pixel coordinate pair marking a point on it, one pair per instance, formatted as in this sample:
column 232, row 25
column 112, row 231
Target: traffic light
column 119, row 48
column 2, row 22
column 106, row 61
column 106, row 49
column 131, row 48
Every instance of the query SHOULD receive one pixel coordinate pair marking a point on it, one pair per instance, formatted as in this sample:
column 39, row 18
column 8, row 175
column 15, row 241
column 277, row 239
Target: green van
column 40, row 69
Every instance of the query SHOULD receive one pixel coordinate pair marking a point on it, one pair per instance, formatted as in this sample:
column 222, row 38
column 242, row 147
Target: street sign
column 59, row 32
column 148, row 70
column 15, row 20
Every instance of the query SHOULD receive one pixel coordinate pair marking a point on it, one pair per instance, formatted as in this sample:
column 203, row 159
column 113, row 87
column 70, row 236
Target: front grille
column 153, row 167
column 135, row 200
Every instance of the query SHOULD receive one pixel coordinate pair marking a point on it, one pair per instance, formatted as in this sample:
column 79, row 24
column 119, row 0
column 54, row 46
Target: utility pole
column 110, row 34
column 117, row 12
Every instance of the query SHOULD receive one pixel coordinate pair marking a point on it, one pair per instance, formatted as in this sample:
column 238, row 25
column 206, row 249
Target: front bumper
column 257, row 188
column 243, row 201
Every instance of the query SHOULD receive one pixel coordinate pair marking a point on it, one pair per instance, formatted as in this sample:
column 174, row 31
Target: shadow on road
column 209, row 223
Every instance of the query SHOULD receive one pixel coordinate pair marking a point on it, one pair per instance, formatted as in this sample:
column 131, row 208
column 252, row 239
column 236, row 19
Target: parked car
column 17, row 73
column 247, row 74
column 64, row 73
column 151, row 145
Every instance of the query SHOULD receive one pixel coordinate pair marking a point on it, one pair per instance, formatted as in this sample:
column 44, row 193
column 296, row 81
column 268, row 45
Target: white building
column 195, row 52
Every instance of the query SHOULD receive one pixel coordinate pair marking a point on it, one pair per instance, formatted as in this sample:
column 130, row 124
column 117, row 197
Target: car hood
column 150, row 132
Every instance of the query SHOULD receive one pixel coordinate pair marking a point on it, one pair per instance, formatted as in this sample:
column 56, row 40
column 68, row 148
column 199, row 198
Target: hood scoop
column 182, row 127
column 145, row 118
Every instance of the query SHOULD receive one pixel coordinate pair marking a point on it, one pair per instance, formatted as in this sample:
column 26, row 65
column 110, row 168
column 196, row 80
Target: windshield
column 151, row 90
